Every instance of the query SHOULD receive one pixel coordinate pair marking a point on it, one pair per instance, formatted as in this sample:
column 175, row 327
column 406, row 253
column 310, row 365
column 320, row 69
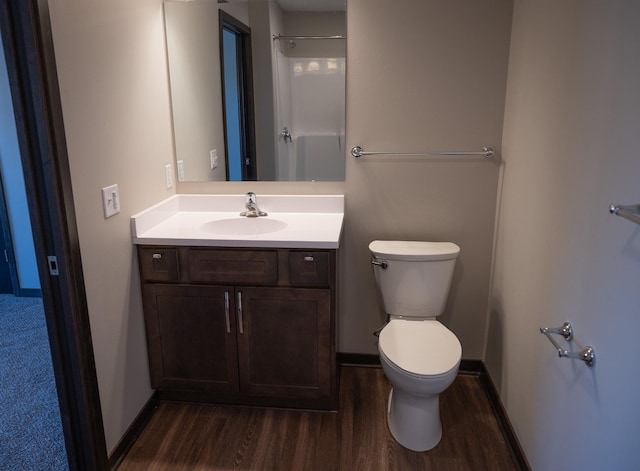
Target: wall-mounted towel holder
column 486, row 152
column 632, row 212
column 588, row 355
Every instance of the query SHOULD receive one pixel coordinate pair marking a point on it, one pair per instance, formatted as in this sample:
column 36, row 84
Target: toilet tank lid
column 414, row 250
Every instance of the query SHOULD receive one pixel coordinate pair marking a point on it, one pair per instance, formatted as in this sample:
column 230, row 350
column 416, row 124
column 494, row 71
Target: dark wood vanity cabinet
column 245, row 326
column 190, row 344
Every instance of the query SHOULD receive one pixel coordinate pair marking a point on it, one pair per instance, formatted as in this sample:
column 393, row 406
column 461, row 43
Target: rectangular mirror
column 257, row 89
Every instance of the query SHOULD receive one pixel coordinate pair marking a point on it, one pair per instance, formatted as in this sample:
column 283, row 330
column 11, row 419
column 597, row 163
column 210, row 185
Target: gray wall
column 421, row 75
column 418, row 78
column 571, row 147
column 193, row 52
column 112, row 68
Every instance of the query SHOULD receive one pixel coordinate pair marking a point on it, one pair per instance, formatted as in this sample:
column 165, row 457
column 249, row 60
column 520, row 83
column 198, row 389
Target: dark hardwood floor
column 206, row 437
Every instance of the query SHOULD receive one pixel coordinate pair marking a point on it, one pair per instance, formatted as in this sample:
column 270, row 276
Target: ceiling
column 312, row 5
column 304, row 5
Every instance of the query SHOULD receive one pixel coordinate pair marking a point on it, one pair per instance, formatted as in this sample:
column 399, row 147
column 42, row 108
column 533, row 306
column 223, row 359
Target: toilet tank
column 417, row 277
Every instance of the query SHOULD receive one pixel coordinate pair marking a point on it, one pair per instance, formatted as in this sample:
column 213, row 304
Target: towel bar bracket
column 566, row 331
column 587, row 354
column 630, row 212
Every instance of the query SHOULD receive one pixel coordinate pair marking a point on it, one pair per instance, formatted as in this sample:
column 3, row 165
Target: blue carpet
column 30, row 428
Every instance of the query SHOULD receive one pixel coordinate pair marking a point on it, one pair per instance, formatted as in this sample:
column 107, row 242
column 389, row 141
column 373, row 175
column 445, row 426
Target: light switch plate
column 180, row 170
column 168, row 172
column 110, row 201
column 213, row 155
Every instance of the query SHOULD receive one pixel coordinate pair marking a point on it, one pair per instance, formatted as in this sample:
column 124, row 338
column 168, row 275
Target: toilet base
column 414, row 421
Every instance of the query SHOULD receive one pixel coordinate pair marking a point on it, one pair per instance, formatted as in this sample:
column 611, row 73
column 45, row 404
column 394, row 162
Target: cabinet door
column 191, row 336
column 285, row 348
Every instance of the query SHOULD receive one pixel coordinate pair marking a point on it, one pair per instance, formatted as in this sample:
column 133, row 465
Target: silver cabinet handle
column 240, row 312
column 156, row 256
column 226, row 311
column 308, row 258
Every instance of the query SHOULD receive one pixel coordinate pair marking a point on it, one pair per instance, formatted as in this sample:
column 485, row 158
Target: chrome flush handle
column 380, row 263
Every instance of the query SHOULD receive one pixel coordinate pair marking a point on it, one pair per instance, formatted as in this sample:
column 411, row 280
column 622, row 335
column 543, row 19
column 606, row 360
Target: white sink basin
column 294, row 221
column 244, row 226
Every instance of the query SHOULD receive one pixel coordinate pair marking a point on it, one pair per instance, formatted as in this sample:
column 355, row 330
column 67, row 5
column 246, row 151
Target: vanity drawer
column 308, row 268
column 159, row 264
column 233, row 266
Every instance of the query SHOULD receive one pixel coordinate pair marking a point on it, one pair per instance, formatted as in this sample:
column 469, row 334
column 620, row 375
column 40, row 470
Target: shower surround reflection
column 310, row 95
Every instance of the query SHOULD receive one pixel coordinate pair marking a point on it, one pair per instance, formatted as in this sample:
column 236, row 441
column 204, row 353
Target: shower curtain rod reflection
column 282, row 36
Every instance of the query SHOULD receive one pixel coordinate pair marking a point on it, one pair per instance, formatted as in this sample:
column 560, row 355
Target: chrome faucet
column 251, row 206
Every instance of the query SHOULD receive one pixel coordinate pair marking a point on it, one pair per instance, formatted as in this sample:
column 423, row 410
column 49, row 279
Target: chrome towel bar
column 587, row 354
column 284, row 36
column 632, row 212
column 486, row 152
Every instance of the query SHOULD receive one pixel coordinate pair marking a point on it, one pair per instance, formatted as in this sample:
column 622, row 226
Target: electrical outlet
column 180, row 170
column 168, row 173
column 213, row 154
column 110, row 201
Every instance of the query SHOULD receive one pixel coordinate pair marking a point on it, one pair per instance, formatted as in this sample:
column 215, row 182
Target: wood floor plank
column 207, row 437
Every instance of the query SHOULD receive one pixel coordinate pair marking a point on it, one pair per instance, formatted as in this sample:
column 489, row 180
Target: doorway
column 7, row 266
column 31, row 426
column 30, row 61
column 237, row 98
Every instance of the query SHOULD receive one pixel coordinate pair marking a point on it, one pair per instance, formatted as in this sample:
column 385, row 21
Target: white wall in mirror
column 194, row 58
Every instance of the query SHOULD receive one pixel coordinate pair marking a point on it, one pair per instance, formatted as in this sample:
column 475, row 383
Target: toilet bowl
column 420, row 359
column 419, row 355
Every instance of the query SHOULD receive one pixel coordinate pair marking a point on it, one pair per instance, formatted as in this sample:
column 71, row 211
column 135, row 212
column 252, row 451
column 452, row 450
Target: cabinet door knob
column 308, row 258
column 156, row 256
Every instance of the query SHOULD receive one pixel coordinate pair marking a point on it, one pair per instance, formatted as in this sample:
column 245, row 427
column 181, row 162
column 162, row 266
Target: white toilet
column 419, row 355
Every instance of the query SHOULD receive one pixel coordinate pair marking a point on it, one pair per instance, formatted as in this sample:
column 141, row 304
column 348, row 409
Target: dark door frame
column 245, row 95
column 28, row 43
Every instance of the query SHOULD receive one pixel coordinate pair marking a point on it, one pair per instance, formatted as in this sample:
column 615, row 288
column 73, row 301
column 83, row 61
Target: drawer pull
column 240, row 312
column 308, row 258
column 157, row 256
column 226, row 311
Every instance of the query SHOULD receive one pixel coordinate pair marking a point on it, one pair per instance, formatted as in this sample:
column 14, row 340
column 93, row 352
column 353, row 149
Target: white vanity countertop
column 293, row 221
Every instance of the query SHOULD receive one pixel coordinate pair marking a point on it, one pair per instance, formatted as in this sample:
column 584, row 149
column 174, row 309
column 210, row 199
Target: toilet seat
column 420, row 348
